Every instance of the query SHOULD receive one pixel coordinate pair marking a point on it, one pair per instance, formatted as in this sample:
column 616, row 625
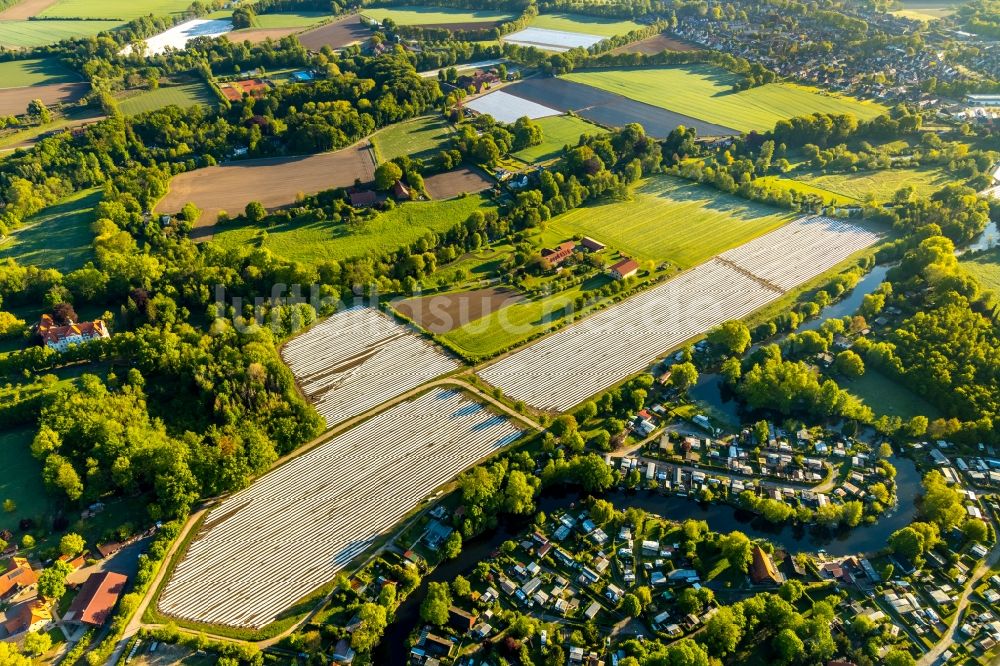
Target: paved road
column 136, row 622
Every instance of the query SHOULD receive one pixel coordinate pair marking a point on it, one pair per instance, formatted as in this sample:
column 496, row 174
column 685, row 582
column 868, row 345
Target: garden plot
column 359, row 358
column 563, row 369
column 507, row 108
column 265, row 548
column 179, row 35
column 552, row 40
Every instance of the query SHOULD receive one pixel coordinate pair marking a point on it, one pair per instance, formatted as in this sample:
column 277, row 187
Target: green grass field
column 418, row 138
column 886, row 396
column 120, row 10
column 57, row 237
column 183, row 95
column 291, row 19
column 21, row 480
column 882, row 184
column 828, row 196
column 985, row 267
column 557, row 131
column 591, row 25
column 705, row 92
column 430, row 15
column 315, row 242
column 925, row 10
column 23, row 73
column 29, row 34
column 669, row 219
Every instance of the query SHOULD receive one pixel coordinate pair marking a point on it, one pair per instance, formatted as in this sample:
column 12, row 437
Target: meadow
column 790, row 184
column 291, row 19
column 119, row 10
column 591, row 25
column 882, row 184
column 669, row 219
column 924, row 10
column 23, row 73
column 57, row 237
column 985, row 267
column 417, row 138
column 429, row 15
column 886, row 396
column 315, row 242
column 183, row 95
column 557, row 131
column 705, row 92
column 29, row 34
column 21, row 480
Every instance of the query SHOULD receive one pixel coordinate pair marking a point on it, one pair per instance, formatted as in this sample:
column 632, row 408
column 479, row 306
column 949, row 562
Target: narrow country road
column 136, row 623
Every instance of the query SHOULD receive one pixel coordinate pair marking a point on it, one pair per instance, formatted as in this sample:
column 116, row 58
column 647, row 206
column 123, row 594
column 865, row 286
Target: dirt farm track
column 272, row 181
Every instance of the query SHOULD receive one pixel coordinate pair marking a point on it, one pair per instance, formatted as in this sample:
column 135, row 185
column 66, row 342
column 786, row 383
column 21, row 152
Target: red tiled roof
column 625, row 266
column 97, row 598
column 560, row 254
column 234, row 91
column 51, row 333
column 19, row 575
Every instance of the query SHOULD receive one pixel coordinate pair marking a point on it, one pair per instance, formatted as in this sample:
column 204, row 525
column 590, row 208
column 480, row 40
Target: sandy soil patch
column 441, row 313
column 14, row 101
column 452, row 183
column 348, row 30
column 258, row 35
column 274, row 182
column 26, row 9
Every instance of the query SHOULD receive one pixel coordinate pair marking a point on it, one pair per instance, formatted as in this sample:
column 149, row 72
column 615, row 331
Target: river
column 720, row 518
column 986, row 240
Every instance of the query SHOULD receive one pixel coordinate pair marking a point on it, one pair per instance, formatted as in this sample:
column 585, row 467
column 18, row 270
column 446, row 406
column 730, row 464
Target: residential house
column 343, row 653
column 29, row 616
column 61, row 337
column 362, row 198
column 19, row 576
column 624, row 269
column 559, row 254
column 96, row 599
column 762, row 569
column 460, row 620
column 400, row 191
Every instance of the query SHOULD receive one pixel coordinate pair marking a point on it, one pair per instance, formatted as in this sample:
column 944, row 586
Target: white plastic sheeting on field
column 552, row 40
column 507, row 108
column 178, row 36
column 358, row 359
column 265, row 548
column 574, row 363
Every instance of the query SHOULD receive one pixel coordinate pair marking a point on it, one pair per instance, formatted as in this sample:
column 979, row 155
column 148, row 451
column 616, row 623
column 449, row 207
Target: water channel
column 720, row 517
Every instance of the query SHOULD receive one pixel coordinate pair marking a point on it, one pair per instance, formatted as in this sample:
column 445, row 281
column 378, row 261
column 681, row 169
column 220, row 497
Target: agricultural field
column 558, row 41
column 113, row 10
column 566, row 367
column 274, row 182
column 315, row 242
column 182, row 95
column 669, row 219
column 178, row 36
column 609, row 109
column 507, row 108
column 437, row 16
column 880, row 184
column 656, row 44
column 23, row 73
column 25, row 9
column 791, row 185
column 464, row 180
column 359, row 358
column 336, row 34
column 290, row 19
column 705, row 92
column 557, row 131
column 985, row 267
column 46, row 79
column 322, row 509
column 29, row 34
column 440, row 313
column 925, row 10
column 22, row 479
column 590, row 25
column 419, row 138
column 57, row 237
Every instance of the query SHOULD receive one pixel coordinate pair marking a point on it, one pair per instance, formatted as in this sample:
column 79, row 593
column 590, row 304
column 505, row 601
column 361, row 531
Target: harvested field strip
column 359, row 358
column 25, row 9
column 657, row 44
column 310, row 517
column 272, row 181
column 610, row 109
column 440, row 16
column 705, row 92
column 441, row 313
column 466, row 180
column 337, row 34
column 14, row 101
column 574, row 363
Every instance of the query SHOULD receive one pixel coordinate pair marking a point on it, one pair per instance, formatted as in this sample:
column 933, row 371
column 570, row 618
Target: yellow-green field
column 591, row 25
column 792, row 185
column 28, row 34
column 429, row 15
column 880, row 184
column 183, row 95
column 670, row 219
column 117, row 10
column 706, row 92
column 417, row 138
column 557, row 131
column 985, row 268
